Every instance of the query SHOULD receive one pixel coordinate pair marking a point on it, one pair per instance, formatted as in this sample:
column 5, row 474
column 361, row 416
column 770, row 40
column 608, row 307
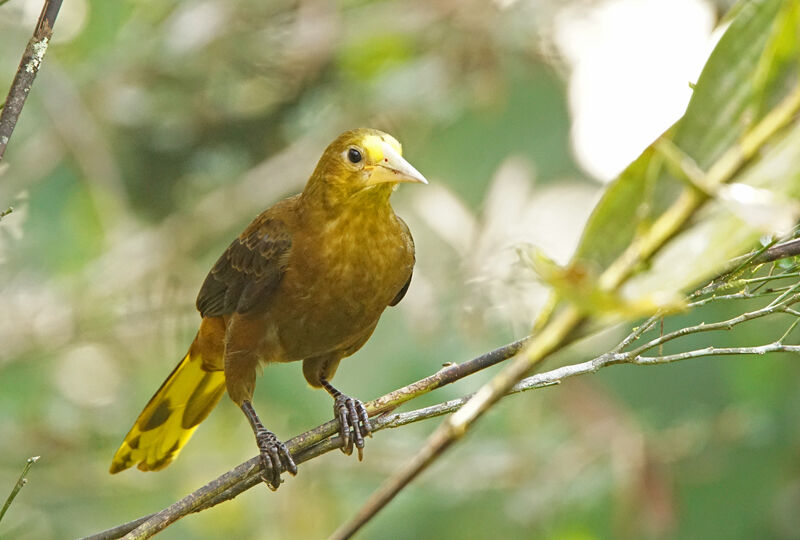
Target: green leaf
column 724, row 104
column 752, row 68
column 720, row 233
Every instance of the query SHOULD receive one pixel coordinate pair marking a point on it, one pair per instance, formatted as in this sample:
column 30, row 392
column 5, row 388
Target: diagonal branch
column 26, row 72
column 554, row 377
column 778, row 251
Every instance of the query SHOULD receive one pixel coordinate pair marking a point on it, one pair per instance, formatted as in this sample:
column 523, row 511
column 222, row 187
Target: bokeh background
column 158, row 129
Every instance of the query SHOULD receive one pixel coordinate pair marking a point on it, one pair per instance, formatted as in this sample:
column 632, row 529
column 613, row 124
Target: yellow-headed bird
column 307, row 280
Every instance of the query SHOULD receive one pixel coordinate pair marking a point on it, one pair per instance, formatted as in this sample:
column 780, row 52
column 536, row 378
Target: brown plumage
column 307, row 280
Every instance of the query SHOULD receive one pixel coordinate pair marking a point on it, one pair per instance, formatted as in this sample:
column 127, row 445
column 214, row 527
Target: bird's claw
column 353, row 423
column 275, row 458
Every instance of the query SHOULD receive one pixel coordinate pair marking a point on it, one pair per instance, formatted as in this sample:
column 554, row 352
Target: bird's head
column 362, row 162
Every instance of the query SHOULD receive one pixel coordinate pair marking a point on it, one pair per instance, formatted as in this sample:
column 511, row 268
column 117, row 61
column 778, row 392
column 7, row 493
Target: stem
column 26, row 72
column 19, row 485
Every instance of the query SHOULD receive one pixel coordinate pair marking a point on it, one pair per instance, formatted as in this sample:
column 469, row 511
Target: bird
column 306, row 281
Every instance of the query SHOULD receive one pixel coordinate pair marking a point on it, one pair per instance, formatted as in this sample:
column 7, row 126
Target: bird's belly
column 329, row 307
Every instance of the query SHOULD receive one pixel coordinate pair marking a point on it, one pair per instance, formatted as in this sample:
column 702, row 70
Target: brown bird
column 307, row 280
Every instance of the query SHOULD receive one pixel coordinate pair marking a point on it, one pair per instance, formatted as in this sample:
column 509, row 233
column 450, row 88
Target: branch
column 557, row 332
column 715, row 351
column 768, row 253
column 18, row 486
column 26, row 72
column 305, row 446
column 780, row 307
column 779, row 251
column 551, row 378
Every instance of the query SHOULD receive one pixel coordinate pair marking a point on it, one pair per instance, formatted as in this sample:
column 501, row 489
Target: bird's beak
column 393, row 168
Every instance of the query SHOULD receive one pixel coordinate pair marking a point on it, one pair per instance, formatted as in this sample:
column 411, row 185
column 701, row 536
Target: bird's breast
column 339, row 280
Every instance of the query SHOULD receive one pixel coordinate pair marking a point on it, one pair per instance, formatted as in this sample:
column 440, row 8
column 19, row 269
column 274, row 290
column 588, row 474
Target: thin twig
column 638, row 332
column 760, row 279
column 770, row 309
column 780, row 251
column 716, row 351
column 26, row 73
column 743, row 295
column 782, row 307
column 19, row 485
column 541, row 380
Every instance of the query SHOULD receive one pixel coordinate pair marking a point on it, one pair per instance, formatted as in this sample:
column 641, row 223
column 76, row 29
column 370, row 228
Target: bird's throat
column 331, row 204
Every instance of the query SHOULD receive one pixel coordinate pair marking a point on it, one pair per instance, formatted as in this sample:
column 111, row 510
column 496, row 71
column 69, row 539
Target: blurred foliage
column 157, row 130
column 746, row 71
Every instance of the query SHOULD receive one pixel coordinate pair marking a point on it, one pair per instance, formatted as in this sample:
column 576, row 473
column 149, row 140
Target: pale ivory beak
column 393, row 168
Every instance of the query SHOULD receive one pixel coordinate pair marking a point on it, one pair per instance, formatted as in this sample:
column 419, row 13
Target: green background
column 151, row 139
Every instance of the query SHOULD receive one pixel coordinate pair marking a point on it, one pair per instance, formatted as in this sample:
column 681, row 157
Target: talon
column 354, row 421
column 340, row 413
column 275, row 457
column 268, row 482
column 288, row 463
column 364, row 417
column 353, row 424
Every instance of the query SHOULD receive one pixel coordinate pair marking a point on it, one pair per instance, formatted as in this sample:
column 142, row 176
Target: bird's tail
column 171, row 416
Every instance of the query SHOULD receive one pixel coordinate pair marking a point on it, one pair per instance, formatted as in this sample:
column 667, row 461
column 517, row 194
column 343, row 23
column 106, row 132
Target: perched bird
column 307, row 280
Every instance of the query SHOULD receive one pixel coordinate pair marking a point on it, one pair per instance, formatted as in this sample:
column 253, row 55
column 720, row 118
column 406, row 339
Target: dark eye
column 354, row 155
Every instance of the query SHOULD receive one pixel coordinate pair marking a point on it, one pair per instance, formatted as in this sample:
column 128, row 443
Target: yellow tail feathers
column 170, row 417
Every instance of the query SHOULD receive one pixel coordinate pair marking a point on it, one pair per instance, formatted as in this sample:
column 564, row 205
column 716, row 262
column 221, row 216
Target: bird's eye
column 354, row 155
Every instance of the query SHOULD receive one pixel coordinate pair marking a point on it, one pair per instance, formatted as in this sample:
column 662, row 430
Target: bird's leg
column 274, row 454
column 351, row 414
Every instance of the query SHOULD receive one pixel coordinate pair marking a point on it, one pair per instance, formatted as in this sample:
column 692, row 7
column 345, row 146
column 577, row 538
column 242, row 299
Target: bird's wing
column 249, row 270
column 402, row 292
column 399, row 296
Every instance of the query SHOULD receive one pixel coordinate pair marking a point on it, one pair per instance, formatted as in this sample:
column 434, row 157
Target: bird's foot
column 275, row 458
column 353, row 423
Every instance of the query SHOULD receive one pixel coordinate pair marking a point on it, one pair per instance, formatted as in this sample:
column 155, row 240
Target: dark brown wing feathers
column 248, row 271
